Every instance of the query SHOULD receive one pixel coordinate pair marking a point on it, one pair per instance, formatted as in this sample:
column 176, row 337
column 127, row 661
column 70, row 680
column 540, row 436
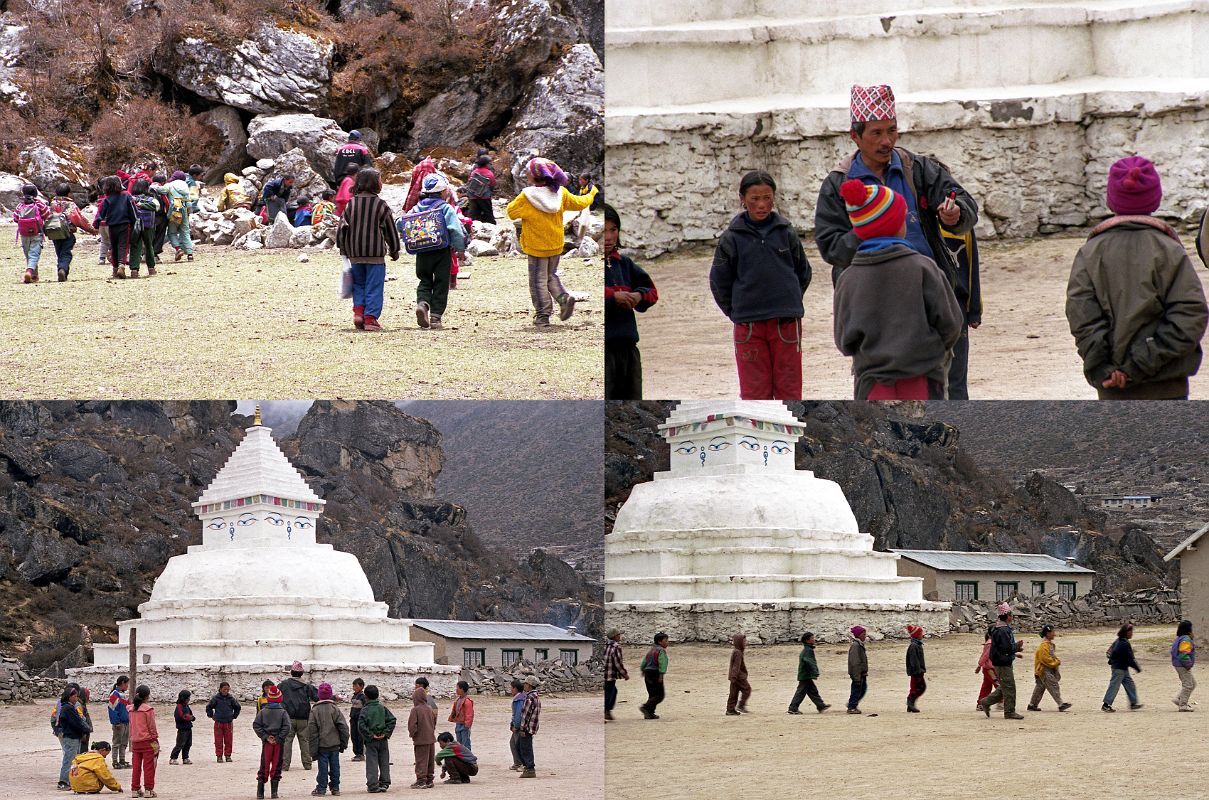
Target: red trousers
column 918, row 687
column 906, row 389
column 270, row 762
column 143, row 770
column 223, row 733
column 769, row 355
column 989, row 682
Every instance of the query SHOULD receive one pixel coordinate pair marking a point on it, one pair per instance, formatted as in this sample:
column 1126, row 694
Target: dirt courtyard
column 568, row 749
column 1022, row 351
column 950, row 750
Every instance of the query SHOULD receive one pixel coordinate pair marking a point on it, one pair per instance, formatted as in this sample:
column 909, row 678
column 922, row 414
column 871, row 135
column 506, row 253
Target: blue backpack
column 145, row 207
column 424, row 230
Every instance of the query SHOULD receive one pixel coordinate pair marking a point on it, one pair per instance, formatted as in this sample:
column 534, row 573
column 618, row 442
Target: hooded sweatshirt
column 541, row 214
column 421, row 725
column 328, row 730
column 89, row 773
column 143, row 732
column 233, row 195
column 738, row 669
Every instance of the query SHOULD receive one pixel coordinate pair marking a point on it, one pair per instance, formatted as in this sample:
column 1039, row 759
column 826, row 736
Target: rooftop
column 1187, row 544
column 257, row 467
column 957, row 561
column 533, row 631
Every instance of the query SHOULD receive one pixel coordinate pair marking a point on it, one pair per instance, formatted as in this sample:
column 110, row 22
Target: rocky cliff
column 95, row 497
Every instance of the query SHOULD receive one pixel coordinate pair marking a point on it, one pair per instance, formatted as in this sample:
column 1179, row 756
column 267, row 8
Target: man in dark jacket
column 297, row 697
column 808, row 672
column 1004, row 652
column 223, row 708
column 740, row 689
column 276, row 197
column 627, row 289
column 352, row 152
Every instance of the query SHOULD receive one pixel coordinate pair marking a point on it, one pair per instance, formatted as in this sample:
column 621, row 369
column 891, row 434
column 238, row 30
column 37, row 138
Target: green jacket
column 808, row 667
column 375, row 718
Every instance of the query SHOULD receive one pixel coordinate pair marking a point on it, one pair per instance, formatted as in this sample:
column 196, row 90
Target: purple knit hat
column 178, row 176
column 1134, row 187
column 325, row 691
column 545, row 172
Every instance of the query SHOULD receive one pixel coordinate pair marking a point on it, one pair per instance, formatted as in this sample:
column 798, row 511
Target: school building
column 1130, row 501
column 954, row 575
column 500, row 644
column 1193, row 554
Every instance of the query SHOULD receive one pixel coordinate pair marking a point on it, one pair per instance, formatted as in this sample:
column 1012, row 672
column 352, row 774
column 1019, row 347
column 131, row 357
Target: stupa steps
column 738, row 538
column 757, row 587
column 259, row 651
column 749, row 561
column 286, row 605
column 255, row 626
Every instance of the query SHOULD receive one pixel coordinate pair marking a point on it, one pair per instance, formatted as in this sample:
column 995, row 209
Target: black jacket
column 296, row 697
column 915, row 657
column 1120, row 656
column 118, row 209
column 222, row 708
column 622, row 274
column 276, row 188
column 758, row 276
column 932, row 184
column 1003, row 645
column 71, row 723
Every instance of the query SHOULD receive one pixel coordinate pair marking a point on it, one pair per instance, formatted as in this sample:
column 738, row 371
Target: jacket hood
column 740, row 641
column 418, row 697
column 230, row 178
column 885, row 254
column 543, row 199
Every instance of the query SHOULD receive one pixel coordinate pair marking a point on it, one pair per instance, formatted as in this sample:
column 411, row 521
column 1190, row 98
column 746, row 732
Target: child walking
column 421, row 727
column 1045, row 670
column 758, row 278
column 223, row 708
column 329, row 738
column 540, row 209
column 740, row 689
column 377, row 725
column 119, row 718
column 144, row 743
column 1183, row 658
column 431, row 232
column 142, row 245
column 462, row 715
column 990, row 678
column 915, row 667
column 184, row 728
column 119, row 217
column 653, row 669
column 31, row 215
column 808, row 673
column 1122, row 660
column 480, row 187
column 895, row 315
column 63, row 207
column 272, row 725
column 627, row 289
column 354, row 715
column 367, row 232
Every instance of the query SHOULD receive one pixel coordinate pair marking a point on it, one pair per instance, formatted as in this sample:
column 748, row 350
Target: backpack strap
column 1136, row 219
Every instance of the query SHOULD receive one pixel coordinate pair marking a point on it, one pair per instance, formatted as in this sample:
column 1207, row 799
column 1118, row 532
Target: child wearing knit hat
column 915, row 667
column 1134, row 302
column 895, row 314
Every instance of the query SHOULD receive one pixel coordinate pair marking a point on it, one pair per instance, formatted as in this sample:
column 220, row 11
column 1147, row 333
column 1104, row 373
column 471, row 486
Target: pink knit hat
column 857, row 630
column 872, row 103
column 1134, row 187
column 1003, row 608
column 325, row 691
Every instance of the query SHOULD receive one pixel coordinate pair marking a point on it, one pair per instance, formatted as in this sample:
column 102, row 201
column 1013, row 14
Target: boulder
column 318, row 138
column 10, row 56
column 587, row 248
column 485, row 231
column 263, row 165
column 480, row 248
column 369, row 8
column 46, row 166
column 243, row 221
column 295, row 163
column 227, row 122
column 280, row 234
column 301, row 237
column 273, row 70
column 10, row 191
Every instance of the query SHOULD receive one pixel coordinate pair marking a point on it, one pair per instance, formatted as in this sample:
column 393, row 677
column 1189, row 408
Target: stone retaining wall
column 1145, row 607
column 555, row 676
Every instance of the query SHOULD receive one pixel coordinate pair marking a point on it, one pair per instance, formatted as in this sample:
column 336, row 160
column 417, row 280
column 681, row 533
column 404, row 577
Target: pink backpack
column 29, row 218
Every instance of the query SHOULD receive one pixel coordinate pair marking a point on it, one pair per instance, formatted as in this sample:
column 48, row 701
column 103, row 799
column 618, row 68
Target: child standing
column 858, row 669
column 377, row 724
column 1045, row 670
column 915, row 667
column 263, row 700
column 31, row 215
column 421, row 727
column 223, row 708
column 456, row 760
column 518, row 702
column 895, row 314
column 354, row 714
column 462, row 715
column 144, row 743
column 740, row 689
column 367, row 232
column 184, row 728
column 272, row 725
column 627, row 289
column 71, row 728
column 1183, row 658
column 808, row 673
column 146, row 205
column 758, row 278
column 119, row 718
column 540, row 209
column 531, row 712
column 328, row 737
column 431, row 232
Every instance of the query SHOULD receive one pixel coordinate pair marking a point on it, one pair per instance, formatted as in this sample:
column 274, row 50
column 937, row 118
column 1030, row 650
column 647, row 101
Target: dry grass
column 236, row 324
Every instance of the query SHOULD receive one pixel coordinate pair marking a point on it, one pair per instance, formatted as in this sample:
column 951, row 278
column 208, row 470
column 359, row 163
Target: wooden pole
column 134, row 663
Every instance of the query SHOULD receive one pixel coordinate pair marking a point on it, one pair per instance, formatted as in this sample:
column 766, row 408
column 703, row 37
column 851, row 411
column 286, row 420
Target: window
column 965, row 590
column 541, row 654
column 1005, row 589
column 510, row 657
column 1066, row 589
column 1038, row 587
column 474, row 658
column 570, row 657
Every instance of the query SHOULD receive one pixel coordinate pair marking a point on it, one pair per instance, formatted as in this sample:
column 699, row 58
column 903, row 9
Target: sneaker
column 62, row 275
column 317, row 793
column 733, row 714
column 541, row 322
column 134, row 272
column 220, row 759
column 428, row 785
column 358, row 758
column 179, row 254
column 359, row 317
column 985, row 709
column 422, row 314
column 371, row 324
column 228, row 759
column 1034, row 708
column 335, row 792
column 173, row 761
column 1107, row 708
column 824, row 707
column 138, row 792
column 854, row 711
column 189, row 257
column 1135, row 706
column 609, row 716
column 529, row 773
column 28, row 277
column 516, row 767
column 794, row 711
column 418, row 785
column 566, row 307
column 741, row 709
column 914, row 710
column 1064, row 706
column 61, row 786
column 122, row 276
column 151, row 793
column 151, row 271
column 1013, row 715
column 1187, row 708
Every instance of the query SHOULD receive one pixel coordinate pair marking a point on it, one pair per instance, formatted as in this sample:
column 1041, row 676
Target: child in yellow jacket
column 540, row 209
column 89, row 772
column 1045, row 670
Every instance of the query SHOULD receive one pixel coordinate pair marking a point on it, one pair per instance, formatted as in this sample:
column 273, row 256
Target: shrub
column 143, row 126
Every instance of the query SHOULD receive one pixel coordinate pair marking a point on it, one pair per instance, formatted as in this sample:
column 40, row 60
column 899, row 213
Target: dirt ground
column 1022, row 351
column 950, row 750
column 569, row 752
column 260, row 324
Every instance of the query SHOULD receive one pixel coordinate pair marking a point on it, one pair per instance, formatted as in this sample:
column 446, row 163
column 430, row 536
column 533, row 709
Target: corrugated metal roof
column 956, row 561
column 533, row 631
column 1184, row 545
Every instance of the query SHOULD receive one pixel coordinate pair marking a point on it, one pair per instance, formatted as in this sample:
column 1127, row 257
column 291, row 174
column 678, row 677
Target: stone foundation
column 771, row 623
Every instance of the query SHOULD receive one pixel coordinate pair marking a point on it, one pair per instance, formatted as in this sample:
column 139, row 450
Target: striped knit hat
column 874, row 210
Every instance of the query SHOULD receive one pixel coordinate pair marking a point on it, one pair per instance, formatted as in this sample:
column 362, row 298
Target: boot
column 122, row 271
column 259, row 790
column 134, row 272
column 62, row 275
column 179, row 254
column 911, row 707
column 371, row 323
column 28, row 277
column 273, row 788
column 566, row 307
column 422, row 318
column 150, row 271
column 434, row 322
column 220, row 759
column 529, row 773
column 359, row 317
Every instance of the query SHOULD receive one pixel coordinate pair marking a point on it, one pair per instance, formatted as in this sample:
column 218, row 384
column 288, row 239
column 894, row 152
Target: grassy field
column 261, row 324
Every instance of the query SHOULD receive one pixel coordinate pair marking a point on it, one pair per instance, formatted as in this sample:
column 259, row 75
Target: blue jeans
column 462, row 734
column 1120, row 677
column 524, row 748
column 63, row 248
column 329, row 770
column 858, row 692
column 369, row 282
column 32, row 247
column 71, row 749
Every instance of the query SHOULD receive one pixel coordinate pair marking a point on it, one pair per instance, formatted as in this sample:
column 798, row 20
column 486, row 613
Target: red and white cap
column 872, row 103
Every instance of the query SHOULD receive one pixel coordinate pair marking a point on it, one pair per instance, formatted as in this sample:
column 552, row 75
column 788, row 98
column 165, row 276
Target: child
column 457, row 268
column 71, row 728
column 456, row 760
column 758, row 277
column 1183, row 658
column 915, row 664
column 808, row 673
column 895, row 314
column 540, row 209
column 518, row 702
column 223, row 708
column 328, row 737
column 858, row 669
column 304, row 212
column 653, row 669
column 462, row 715
column 627, row 289
column 740, row 689
column 272, row 725
column 233, row 196
column 177, row 192
column 184, row 728
column 1134, row 302
column 192, row 180
column 119, row 216
column 344, row 194
column 119, row 718
column 530, row 718
column 584, row 186
column 263, row 700
column 421, row 727
column 431, row 232
column 1045, row 670
column 354, row 714
column 377, row 724
column 325, row 209
column 614, row 670
column 990, row 678
column 144, row 743
column 480, row 187
column 89, row 772
column 146, row 205
column 31, row 215
column 64, row 207
column 366, row 233
column 161, row 215
column 1122, row 660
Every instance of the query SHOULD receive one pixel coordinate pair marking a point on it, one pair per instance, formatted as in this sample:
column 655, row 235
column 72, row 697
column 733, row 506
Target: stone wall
column 19, row 686
column 1144, row 607
column 555, row 676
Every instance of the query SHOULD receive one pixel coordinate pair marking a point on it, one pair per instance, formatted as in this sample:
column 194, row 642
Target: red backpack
column 29, row 218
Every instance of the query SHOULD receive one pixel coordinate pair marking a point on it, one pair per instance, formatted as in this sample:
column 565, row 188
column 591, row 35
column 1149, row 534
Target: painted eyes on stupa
column 302, row 523
column 749, row 443
column 687, row 449
column 718, row 443
column 217, row 524
column 245, row 520
column 780, row 448
column 274, row 519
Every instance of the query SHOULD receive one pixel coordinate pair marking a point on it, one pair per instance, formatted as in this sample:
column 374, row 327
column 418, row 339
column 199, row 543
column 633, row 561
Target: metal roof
column 957, row 561
column 1187, row 543
column 532, row 631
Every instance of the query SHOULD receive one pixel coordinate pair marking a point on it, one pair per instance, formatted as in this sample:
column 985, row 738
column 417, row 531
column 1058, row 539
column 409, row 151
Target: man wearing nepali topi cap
column 934, row 199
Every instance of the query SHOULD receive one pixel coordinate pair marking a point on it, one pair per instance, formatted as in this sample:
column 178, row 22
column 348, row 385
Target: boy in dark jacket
column 328, row 735
column 895, row 313
column 858, row 669
column 118, row 215
column 653, row 669
column 740, row 689
column 1004, row 652
column 354, row 714
column 1122, row 660
column 422, row 728
column 808, row 672
column 223, row 708
column 915, row 667
column 377, row 724
column 627, row 289
column 758, row 277
column 183, row 715
column 456, row 760
column 272, row 725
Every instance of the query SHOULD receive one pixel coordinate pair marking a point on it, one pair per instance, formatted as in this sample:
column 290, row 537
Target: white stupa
column 735, row 538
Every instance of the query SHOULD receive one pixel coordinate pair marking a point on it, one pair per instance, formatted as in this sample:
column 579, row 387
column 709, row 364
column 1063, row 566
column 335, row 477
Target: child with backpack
column 366, row 233
column 193, row 181
column 303, row 214
column 144, row 742
column 119, row 216
column 179, row 199
column 183, row 715
column 119, row 718
column 65, row 219
column 161, row 215
column 72, row 729
column 325, row 209
column 540, row 209
column 143, row 240
column 431, row 232
column 480, row 187
column 31, row 215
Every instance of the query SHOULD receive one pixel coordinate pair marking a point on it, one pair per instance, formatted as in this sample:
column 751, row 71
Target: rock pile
column 555, row 676
column 1146, row 606
column 17, row 686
